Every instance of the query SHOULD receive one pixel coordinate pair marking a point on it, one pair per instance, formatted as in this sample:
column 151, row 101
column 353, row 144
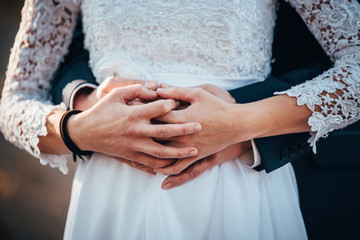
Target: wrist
column 52, row 142
column 273, row 116
column 84, row 99
column 75, row 131
column 242, row 121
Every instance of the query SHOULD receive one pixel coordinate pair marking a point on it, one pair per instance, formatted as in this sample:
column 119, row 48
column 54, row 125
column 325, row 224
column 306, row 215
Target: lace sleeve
column 42, row 40
column 334, row 96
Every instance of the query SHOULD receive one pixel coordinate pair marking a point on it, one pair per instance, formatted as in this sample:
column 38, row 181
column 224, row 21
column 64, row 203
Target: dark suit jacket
column 328, row 182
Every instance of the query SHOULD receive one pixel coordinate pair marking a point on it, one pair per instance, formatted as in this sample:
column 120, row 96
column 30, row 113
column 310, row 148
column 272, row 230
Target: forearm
column 269, row 117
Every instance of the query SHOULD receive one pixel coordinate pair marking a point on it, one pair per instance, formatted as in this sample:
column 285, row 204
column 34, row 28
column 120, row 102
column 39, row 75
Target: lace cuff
column 334, row 96
column 336, row 93
column 42, row 40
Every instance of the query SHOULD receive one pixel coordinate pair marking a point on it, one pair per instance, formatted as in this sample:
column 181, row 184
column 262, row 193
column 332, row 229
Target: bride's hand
column 218, row 92
column 212, row 113
column 207, row 163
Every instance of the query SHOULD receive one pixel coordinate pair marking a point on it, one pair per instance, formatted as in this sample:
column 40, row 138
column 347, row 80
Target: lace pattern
column 232, row 38
column 228, row 38
column 43, row 38
column 334, row 96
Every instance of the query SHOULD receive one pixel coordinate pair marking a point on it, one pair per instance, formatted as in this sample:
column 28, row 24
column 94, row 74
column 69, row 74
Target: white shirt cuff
column 251, row 157
column 76, row 90
column 256, row 154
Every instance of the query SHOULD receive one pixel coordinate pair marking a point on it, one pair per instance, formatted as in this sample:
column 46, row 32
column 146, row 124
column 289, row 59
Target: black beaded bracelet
column 66, row 138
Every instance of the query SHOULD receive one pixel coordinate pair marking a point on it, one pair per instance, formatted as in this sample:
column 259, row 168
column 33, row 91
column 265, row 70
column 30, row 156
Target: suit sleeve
column 74, row 67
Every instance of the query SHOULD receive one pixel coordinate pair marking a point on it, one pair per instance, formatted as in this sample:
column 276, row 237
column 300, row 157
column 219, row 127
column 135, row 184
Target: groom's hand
column 205, row 164
column 114, row 128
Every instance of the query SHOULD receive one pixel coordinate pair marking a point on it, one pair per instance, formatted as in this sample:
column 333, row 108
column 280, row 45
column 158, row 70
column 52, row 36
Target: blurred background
column 33, row 198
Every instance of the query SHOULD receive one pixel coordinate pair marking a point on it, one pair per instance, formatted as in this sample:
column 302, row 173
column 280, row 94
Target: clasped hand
column 126, row 132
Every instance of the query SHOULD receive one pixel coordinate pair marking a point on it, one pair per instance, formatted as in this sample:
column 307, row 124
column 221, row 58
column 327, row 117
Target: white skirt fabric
column 111, row 200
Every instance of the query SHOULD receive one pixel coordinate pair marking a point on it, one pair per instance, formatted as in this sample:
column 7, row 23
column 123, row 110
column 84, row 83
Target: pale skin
column 217, row 142
column 126, row 132
column 86, row 99
column 224, row 124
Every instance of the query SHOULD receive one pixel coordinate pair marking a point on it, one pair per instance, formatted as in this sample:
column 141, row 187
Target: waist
column 185, row 80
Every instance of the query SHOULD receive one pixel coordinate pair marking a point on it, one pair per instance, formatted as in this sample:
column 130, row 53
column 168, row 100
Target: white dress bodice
column 226, row 39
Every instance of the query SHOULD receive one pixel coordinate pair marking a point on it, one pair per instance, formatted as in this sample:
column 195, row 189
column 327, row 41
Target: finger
column 115, row 82
column 150, row 161
column 177, row 167
column 164, row 131
column 179, row 93
column 135, row 102
column 156, row 108
column 207, row 87
column 143, row 167
column 160, row 151
column 173, row 117
column 190, row 173
column 132, row 92
column 164, row 85
column 136, row 165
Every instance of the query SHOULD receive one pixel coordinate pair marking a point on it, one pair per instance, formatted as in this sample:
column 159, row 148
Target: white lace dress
column 181, row 42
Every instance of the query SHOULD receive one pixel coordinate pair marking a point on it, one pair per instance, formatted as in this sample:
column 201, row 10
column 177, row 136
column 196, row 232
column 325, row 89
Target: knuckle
column 187, row 130
column 133, row 114
column 131, row 132
column 165, row 106
column 179, row 181
column 159, row 153
column 138, row 87
column 193, row 173
column 175, row 90
column 162, row 131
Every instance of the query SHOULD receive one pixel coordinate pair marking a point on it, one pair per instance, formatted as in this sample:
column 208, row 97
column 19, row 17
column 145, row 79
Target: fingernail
column 194, row 152
column 197, row 127
column 161, row 89
column 167, row 186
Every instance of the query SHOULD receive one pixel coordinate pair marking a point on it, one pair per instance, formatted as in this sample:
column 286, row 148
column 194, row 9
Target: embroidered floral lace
column 228, row 39
column 334, row 96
